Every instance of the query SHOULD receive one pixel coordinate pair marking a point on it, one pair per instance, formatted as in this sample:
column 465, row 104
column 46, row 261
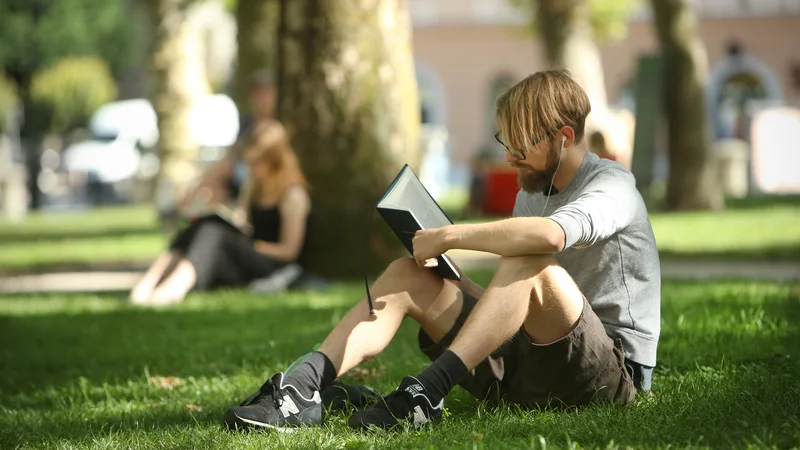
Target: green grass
column 765, row 229
column 50, row 240
column 75, row 374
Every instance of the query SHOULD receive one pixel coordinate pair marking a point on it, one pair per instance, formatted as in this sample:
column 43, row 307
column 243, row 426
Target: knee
column 210, row 231
column 209, row 236
column 406, row 269
column 406, row 275
column 527, row 266
column 420, row 283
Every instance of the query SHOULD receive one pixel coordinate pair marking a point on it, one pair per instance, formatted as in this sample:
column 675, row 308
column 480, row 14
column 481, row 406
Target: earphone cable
column 366, row 255
column 550, row 189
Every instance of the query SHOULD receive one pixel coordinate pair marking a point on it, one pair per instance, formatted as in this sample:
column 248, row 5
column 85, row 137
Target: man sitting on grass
column 571, row 316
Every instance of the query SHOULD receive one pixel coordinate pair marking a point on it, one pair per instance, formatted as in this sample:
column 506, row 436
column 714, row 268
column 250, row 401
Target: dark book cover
column 407, row 207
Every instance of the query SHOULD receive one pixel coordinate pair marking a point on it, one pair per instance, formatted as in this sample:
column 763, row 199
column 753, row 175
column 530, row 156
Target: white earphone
column 560, row 157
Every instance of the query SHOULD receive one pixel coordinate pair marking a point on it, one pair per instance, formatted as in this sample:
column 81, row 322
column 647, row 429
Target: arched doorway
column 736, row 94
column 738, row 85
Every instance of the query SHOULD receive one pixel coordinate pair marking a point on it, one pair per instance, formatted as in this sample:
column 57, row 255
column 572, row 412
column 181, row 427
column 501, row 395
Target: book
column 201, row 211
column 408, row 207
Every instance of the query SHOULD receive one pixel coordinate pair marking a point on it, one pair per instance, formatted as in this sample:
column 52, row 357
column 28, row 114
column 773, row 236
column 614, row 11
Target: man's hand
column 429, row 245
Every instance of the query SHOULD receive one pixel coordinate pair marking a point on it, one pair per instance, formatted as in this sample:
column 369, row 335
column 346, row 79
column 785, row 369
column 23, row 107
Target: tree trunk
column 691, row 184
column 178, row 81
column 348, row 97
column 32, row 132
column 257, row 34
column 569, row 43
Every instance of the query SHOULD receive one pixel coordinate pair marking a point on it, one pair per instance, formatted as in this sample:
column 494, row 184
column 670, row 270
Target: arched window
column 431, row 95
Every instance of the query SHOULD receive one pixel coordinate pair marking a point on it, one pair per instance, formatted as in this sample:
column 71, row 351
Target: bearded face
column 536, row 181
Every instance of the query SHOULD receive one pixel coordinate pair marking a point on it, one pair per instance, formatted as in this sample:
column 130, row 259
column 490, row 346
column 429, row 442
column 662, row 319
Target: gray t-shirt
column 610, row 251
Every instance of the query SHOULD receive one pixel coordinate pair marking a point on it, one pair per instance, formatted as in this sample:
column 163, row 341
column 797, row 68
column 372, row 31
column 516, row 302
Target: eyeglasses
column 517, row 153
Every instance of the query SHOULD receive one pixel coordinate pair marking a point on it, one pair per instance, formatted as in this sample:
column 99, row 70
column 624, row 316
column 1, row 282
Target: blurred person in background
column 259, row 243
column 223, row 180
column 597, row 145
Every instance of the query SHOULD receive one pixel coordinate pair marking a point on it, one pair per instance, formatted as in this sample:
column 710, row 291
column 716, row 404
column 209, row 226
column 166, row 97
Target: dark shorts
column 584, row 367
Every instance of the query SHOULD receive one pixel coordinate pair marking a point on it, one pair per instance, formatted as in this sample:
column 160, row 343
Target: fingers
column 426, row 262
column 423, row 249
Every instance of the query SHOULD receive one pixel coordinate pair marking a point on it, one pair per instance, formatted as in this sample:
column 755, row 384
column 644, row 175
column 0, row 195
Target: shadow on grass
column 724, row 379
column 759, row 202
column 716, row 408
column 783, row 252
column 719, row 324
column 86, row 431
column 23, row 237
column 44, row 268
column 52, row 350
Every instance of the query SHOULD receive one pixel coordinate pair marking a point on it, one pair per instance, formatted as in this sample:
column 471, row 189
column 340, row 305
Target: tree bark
column 257, row 35
column 691, row 184
column 569, row 43
column 348, row 97
column 178, row 81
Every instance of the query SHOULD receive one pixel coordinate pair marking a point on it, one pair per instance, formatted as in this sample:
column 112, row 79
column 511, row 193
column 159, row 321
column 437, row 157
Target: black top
column 266, row 223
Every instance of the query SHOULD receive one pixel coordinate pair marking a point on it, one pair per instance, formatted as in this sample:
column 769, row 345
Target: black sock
column 442, row 376
column 315, row 374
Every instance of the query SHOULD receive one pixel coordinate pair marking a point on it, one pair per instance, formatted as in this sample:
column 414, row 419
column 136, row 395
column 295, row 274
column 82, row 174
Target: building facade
column 468, row 51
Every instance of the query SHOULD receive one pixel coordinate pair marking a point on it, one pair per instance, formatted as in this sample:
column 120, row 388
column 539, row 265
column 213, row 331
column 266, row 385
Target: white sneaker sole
column 266, row 426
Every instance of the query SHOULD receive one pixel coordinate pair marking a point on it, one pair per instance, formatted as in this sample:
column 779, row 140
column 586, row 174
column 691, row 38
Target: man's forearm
column 510, row 237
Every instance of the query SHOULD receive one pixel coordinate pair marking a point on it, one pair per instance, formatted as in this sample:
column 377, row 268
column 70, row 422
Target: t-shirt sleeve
column 607, row 205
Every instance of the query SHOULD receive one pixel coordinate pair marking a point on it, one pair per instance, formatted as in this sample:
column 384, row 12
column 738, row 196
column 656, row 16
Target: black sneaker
column 409, row 403
column 276, row 406
column 339, row 396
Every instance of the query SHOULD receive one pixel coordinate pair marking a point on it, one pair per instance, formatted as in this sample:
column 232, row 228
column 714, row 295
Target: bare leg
column 175, row 287
column 533, row 290
column 404, row 289
column 143, row 290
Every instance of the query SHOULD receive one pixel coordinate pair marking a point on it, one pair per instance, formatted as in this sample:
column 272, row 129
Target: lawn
column 89, row 371
column 765, row 229
column 75, row 239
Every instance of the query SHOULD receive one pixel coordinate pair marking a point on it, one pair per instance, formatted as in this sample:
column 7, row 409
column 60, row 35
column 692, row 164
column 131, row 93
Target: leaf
column 361, row 373
column 166, row 382
column 192, row 407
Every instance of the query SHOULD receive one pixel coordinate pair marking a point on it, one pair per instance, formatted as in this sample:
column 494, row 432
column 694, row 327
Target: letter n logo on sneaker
column 288, row 406
column 414, row 389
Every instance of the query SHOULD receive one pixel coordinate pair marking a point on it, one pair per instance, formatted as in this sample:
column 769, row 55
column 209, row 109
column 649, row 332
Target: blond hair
column 269, row 143
column 538, row 106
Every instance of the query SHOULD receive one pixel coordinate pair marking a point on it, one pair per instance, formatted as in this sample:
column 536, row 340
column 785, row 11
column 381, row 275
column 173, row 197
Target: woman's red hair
column 269, row 144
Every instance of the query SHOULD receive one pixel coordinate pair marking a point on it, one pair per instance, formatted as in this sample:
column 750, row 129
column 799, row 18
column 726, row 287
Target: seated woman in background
column 273, row 205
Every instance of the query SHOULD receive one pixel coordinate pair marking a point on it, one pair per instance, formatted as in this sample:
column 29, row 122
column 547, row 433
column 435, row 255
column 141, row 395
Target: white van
column 124, row 138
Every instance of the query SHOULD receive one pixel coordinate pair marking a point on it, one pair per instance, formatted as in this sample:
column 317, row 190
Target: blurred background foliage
column 609, row 18
column 37, row 33
column 71, row 90
column 9, row 100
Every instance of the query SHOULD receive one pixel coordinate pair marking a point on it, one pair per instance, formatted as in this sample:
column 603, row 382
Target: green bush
column 8, row 100
column 71, row 90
